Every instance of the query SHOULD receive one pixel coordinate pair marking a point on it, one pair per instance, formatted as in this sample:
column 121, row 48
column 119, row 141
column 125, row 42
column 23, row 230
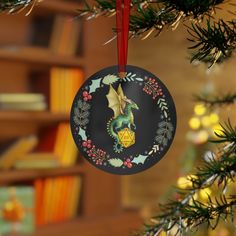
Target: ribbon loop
column 122, row 26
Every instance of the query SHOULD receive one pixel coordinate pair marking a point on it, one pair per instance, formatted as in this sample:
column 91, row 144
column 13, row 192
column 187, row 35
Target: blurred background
column 47, row 188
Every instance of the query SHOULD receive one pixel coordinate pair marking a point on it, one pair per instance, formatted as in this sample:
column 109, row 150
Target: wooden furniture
column 101, row 211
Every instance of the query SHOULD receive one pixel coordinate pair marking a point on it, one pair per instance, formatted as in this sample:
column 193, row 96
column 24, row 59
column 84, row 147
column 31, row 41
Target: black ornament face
column 123, row 126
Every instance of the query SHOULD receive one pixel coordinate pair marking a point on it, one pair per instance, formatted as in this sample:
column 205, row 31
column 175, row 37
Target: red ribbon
column 122, row 25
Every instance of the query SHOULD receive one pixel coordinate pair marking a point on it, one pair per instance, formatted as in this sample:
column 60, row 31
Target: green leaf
column 95, row 85
column 110, row 79
column 82, row 134
column 115, row 162
column 139, row 159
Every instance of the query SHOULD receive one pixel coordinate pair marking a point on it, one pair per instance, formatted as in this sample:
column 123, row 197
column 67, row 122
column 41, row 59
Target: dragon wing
column 122, row 98
column 114, row 101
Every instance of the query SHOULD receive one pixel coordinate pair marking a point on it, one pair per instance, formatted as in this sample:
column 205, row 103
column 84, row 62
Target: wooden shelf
column 32, row 116
column 60, row 6
column 30, row 174
column 16, row 124
column 120, row 224
column 34, row 55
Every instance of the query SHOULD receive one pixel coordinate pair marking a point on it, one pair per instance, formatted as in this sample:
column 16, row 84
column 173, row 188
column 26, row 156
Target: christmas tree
column 212, row 41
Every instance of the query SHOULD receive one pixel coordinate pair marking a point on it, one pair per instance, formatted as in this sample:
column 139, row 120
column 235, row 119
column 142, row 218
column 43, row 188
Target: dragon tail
column 110, row 129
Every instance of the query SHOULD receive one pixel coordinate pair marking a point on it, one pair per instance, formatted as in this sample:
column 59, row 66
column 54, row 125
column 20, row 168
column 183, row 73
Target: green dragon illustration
column 123, row 116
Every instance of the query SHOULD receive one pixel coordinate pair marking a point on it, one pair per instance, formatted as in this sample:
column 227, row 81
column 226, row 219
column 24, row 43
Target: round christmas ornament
column 123, row 126
column 123, row 118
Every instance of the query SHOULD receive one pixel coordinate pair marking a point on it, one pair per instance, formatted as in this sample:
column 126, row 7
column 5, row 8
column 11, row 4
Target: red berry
column 89, row 141
column 129, row 165
column 89, row 96
column 85, row 144
column 89, row 145
column 128, row 160
column 85, row 99
column 85, row 93
column 125, row 163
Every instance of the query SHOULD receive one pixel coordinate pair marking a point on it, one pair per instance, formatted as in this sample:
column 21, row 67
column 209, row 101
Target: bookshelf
column 17, row 176
column 33, row 116
column 114, row 224
column 34, row 55
column 101, row 212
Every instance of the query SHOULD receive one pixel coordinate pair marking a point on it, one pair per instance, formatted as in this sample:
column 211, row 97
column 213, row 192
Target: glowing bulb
column 206, row 122
column 217, row 129
column 184, row 182
column 205, row 193
column 200, row 109
column 194, row 123
column 214, row 118
column 202, row 136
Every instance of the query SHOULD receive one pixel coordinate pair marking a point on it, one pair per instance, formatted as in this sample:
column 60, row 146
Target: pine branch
column 187, row 213
column 215, row 43
column 183, row 217
column 155, row 14
column 227, row 99
column 212, row 44
column 227, row 134
column 13, row 6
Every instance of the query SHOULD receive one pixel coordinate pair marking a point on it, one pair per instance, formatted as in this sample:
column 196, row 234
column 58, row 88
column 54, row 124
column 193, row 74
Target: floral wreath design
column 81, row 113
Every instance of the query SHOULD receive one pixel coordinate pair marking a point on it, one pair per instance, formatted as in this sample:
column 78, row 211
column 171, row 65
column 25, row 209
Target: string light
column 199, row 109
column 194, row 123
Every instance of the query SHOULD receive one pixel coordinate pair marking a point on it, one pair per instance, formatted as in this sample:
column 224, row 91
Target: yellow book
column 67, row 197
column 54, row 90
column 66, row 152
column 56, row 202
column 69, row 90
column 61, row 84
column 47, row 200
column 59, row 216
column 73, row 151
column 21, row 98
column 53, row 192
column 38, row 155
column 59, row 147
column 65, row 90
column 16, row 150
column 75, row 197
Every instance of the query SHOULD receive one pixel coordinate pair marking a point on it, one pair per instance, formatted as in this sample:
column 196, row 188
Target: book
column 21, row 98
column 39, row 190
column 16, row 106
column 58, row 141
column 36, row 164
column 74, row 201
column 23, row 101
column 66, row 35
column 17, row 207
column 37, row 161
column 64, row 84
column 19, row 148
column 57, row 199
